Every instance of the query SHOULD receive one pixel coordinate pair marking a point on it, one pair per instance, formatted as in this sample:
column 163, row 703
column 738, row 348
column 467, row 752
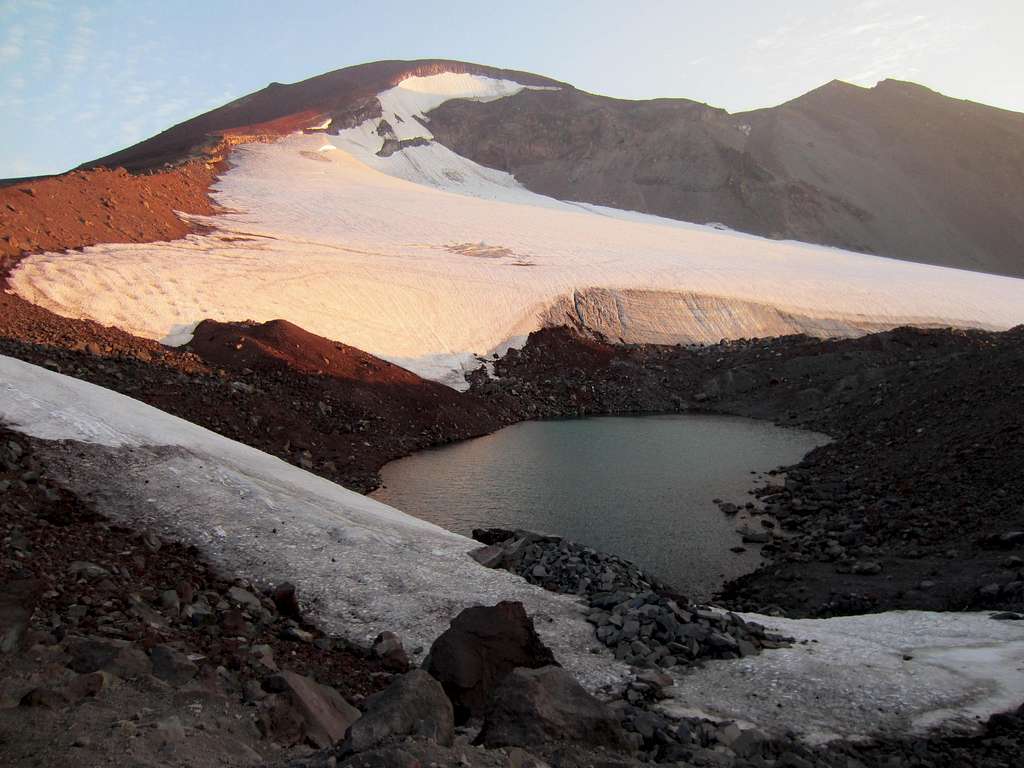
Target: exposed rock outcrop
column 898, row 170
column 480, row 648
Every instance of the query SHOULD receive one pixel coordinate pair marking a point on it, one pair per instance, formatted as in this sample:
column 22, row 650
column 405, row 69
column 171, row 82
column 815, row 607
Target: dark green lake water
column 641, row 487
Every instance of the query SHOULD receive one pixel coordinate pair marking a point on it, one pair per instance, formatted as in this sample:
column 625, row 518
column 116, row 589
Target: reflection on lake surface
column 640, row 487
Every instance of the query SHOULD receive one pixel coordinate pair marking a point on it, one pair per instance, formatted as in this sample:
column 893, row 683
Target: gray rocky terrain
column 896, row 170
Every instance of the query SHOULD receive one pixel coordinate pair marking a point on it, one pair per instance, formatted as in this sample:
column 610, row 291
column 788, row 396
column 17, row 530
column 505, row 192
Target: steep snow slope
column 424, row 258
column 371, row 567
column 368, row 566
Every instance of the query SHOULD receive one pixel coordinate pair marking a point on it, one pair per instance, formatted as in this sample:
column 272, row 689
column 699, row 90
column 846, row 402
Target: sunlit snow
column 359, row 248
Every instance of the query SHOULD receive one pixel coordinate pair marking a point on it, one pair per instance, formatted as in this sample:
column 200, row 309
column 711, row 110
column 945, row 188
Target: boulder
column 304, row 710
column 91, row 654
column 414, row 704
column 285, row 601
column 534, row 707
column 482, row 645
column 17, row 602
column 49, row 698
column 389, row 650
column 171, row 665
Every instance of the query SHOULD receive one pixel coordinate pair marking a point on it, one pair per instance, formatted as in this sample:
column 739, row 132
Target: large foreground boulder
column 302, row 710
column 534, row 707
column 482, row 646
column 414, row 704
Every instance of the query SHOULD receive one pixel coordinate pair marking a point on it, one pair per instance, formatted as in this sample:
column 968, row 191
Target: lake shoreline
column 642, row 487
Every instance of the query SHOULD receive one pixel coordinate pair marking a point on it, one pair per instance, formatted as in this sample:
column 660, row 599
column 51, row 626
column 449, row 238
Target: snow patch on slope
column 371, row 567
column 412, row 98
column 405, row 109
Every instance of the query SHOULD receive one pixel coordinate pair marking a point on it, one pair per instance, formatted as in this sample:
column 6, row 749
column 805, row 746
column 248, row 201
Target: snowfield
column 425, row 258
column 370, row 568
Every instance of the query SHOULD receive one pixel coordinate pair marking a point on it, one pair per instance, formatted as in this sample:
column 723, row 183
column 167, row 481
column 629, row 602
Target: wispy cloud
column 12, row 45
column 862, row 44
column 80, row 46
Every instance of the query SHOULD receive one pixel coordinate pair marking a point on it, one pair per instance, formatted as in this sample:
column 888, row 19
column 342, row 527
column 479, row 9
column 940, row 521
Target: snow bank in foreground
column 369, row 566
column 853, row 679
column 372, row 567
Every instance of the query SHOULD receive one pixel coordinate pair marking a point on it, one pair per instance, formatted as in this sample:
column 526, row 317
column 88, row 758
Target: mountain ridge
column 896, row 170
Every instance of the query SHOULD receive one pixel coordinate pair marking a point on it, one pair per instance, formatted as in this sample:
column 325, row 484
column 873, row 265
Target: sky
column 79, row 80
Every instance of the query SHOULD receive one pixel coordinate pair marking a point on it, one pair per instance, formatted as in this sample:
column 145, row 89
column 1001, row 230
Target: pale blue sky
column 81, row 79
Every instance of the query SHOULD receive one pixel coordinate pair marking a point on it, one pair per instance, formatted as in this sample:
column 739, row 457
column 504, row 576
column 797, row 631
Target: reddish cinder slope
column 278, row 344
column 411, row 411
column 103, row 203
column 84, row 208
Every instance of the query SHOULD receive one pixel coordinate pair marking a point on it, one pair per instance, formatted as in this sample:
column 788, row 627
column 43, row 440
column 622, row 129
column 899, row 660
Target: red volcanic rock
column 84, row 208
column 279, row 344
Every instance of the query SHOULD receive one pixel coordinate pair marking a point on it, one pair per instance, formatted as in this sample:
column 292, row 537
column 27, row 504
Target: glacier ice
column 358, row 248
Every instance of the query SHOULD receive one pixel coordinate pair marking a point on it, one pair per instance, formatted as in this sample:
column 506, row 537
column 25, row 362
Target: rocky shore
column 644, row 622
column 915, row 504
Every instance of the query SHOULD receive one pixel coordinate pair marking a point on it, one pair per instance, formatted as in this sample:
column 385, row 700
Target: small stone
column 199, row 614
column 171, row 665
column 244, row 598
column 297, row 635
column 86, row 570
column 286, row 602
column 866, row 568
column 170, row 601
column 388, row 648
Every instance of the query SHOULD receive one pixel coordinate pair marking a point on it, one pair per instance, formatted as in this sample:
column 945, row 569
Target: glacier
column 320, row 230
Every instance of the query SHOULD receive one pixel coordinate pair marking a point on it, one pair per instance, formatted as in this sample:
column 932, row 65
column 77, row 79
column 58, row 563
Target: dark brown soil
column 278, row 345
